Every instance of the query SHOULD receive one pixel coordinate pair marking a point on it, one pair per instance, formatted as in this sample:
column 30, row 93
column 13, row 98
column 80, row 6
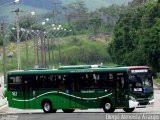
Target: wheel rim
column 47, row 107
column 107, row 106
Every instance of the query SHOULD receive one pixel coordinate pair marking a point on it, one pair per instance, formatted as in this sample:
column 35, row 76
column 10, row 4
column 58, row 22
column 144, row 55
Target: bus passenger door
column 121, row 90
column 28, row 92
column 73, row 91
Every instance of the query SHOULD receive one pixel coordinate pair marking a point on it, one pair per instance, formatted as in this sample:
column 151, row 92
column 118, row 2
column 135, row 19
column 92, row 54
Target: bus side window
column 50, row 81
column 69, row 83
column 97, row 80
column 62, row 82
column 120, row 80
column 106, row 80
column 102, row 80
column 81, row 81
column 89, row 81
column 15, row 83
column 57, row 81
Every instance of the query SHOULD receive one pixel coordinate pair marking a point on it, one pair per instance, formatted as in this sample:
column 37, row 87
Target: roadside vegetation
column 136, row 37
column 74, row 50
column 158, row 79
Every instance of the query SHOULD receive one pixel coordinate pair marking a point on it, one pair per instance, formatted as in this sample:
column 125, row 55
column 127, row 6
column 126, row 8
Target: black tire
column 108, row 107
column 68, row 110
column 47, row 107
column 128, row 110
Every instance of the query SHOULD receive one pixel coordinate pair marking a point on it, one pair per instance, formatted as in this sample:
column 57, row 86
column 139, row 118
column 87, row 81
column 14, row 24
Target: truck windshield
column 141, row 83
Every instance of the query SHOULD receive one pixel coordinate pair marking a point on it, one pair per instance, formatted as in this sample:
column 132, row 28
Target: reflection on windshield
column 139, row 82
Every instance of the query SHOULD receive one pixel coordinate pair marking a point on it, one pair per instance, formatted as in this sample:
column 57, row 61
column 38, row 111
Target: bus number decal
column 14, row 93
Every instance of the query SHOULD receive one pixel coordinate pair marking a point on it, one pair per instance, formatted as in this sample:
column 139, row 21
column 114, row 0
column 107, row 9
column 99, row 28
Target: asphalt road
column 91, row 114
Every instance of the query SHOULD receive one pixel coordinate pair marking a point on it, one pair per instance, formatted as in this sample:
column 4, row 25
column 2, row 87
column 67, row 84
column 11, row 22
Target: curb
column 3, row 103
column 3, row 106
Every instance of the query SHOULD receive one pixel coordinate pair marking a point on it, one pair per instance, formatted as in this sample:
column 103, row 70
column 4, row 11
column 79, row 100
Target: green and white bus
column 81, row 87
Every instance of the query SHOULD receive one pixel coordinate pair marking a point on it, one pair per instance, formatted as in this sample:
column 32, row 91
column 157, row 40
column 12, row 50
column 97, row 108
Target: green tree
column 136, row 37
column 76, row 10
column 27, row 21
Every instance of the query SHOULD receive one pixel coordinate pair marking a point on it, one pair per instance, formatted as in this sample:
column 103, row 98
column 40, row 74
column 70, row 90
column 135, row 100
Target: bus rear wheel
column 68, row 110
column 47, row 107
column 107, row 107
column 128, row 110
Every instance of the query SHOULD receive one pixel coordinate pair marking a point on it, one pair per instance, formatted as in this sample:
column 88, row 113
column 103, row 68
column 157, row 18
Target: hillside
column 94, row 4
column 91, row 4
column 50, row 4
column 74, row 50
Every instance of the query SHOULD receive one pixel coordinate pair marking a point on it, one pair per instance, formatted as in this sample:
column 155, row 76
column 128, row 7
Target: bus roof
column 79, row 67
column 76, row 69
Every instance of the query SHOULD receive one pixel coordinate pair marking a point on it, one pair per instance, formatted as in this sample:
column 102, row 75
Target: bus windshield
column 141, row 82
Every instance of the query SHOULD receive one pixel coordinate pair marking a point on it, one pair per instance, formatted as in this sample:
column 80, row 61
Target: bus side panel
column 93, row 99
column 85, row 102
column 15, row 99
column 59, row 100
column 15, row 93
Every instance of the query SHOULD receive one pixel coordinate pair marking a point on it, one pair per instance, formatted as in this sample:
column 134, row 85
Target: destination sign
column 139, row 71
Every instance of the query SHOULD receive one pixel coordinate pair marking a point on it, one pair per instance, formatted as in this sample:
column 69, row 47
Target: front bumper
column 147, row 104
column 133, row 104
column 136, row 104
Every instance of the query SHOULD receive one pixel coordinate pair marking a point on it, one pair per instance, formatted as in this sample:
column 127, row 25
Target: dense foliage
column 137, row 37
column 74, row 50
column 79, row 19
column 83, row 21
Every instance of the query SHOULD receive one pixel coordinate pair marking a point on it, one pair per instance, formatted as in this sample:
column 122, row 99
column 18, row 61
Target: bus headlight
column 151, row 101
column 132, row 98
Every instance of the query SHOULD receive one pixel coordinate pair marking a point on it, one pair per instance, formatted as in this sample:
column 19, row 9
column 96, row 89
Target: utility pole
column 59, row 52
column 56, row 11
column 27, row 54
column 45, row 48
column 52, row 44
column 36, row 49
column 49, row 53
column 41, row 36
column 43, row 58
column 18, row 39
column 57, row 4
column 4, row 50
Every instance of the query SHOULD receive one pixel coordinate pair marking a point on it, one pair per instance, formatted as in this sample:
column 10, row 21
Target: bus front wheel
column 128, row 110
column 107, row 107
column 68, row 110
